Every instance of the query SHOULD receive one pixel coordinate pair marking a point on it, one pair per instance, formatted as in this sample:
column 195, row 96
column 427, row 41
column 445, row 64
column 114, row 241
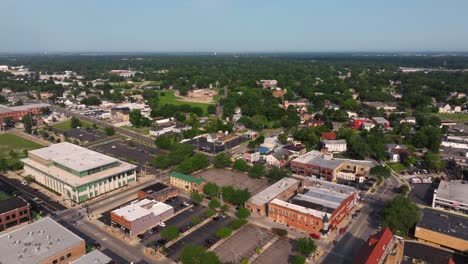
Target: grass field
column 66, row 125
column 455, row 117
column 141, row 130
column 170, row 98
column 397, row 166
column 9, row 142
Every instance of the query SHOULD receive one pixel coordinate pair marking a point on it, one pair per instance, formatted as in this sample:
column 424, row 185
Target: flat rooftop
column 36, row 242
column 300, row 208
column 334, row 141
column 154, row 188
column 271, row 192
column 142, row 208
column 315, row 183
column 73, row 156
column 444, row 223
column 454, row 191
column 11, row 204
column 6, row 109
column 315, row 158
column 93, row 257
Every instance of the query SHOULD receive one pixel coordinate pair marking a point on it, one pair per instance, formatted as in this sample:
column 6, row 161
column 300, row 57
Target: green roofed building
column 185, row 182
column 76, row 172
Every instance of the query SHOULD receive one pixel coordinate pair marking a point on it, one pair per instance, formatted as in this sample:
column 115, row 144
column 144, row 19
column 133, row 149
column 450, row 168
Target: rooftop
column 93, row 257
column 334, row 141
column 142, row 208
column 453, row 191
column 36, row 242
column 379, row 119
column 373, row 251
column 271, row 192
column 11, row 204
column 300, row 208
column 6, row 109
column 315, row 158
column 155, row 188
column 185, row 177
column 442, row 222
column 73, row 156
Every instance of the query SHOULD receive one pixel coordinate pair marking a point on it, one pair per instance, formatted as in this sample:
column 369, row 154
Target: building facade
column 17, row 112
column 338, row 145
column 13, row 211
column 77, row 173
column 186, row 183
column 158, row 191
column 451, row 196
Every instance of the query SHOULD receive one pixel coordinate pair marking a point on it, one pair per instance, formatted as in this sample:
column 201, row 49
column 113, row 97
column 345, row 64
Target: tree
column 223, row 232
column 164, row 142
column 256, row 171
column 298, row 259
column 400, row 215
column 306, row 245
column 224, row 208
column 433, row 162
column 404, row 189
column 109, row 131
column 283, row 138
column 198, row 255
column 214, row 203
column 211, row 189
column 136, row 118
column 211, row 109
column 170, row 232
column 280, row 231
column 240, row 165
column 13, row 154
column 196, row 197
column 275, row 174
column 196, row 220
column 242, row 212
column 3, row 164
column 27, row 122
column 75, row 122
column 380, row 171
column 45, row 111
column 209, row 213
column 237, row 223
column 221, row 161
column 92, row 100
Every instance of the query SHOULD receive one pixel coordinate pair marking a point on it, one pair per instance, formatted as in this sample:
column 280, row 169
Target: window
column 7, row 217
column 54, row 262
column 62, row 258
column 68, row 255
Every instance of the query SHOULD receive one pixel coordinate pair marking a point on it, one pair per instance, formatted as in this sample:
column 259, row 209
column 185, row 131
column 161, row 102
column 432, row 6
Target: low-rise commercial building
column 315, row 163
column 17, row 112
column 77, row 172
column 451, row 196
column 444, row 230
column 381, row 248
column 158, row 191
column 94, row 257
column 337, row 145
column 251, row 156
column 13, row 211
column 282, row 190
column 44, row 242
column 318, row 208
column 140, row 215
column 186, row 183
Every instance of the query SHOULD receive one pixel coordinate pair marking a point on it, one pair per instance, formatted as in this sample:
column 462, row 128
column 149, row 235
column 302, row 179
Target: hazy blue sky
column 233, row 25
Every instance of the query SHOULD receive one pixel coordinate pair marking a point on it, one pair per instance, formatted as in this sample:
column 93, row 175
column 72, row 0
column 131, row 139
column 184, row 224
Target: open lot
column 9, row 142
column 66, row 125
column 86, row 134
column 198, row 237
column 170, row 98
column 422, row 193
column 279, row 252
column 243, row 244
column 224, row 177
column 130, row 151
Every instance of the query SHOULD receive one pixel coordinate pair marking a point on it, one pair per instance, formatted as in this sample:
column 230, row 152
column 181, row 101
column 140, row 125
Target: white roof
column 36, row 242
column 142, row 208
column 73, row 156
column 93, row 257
column 27, row 107
column 334, row 141
column 271, row 192
column 301, row 209
column 453, row 191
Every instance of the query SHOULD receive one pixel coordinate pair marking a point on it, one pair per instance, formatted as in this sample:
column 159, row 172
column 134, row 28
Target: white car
column 24, row 183
column 162, row 224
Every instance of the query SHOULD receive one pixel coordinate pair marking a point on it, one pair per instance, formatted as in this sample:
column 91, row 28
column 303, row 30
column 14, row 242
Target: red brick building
column 328, row 135
column 357, row 122
column 158, row 191
column 17, row 112
column 374, row 251
column 13, row 211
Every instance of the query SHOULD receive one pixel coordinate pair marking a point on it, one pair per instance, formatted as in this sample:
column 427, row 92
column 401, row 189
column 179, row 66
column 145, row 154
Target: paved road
column 126, row 132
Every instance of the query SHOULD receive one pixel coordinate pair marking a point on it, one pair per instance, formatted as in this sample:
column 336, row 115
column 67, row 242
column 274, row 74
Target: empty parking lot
column 279, row 252
column 224, row 177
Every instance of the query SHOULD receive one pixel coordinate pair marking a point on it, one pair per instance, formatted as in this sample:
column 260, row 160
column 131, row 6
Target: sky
column 233, row 25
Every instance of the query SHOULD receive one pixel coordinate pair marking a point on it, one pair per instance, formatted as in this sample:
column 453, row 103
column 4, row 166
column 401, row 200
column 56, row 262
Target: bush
column 214, row 203
column 279, row 231
column 198, row 254
column 256, row 171
column 170, row 232
column 224, row 208
column 222, row 161
column 404, row 189
column 380, row 171
column 223, row 232
column 298, row 260
column 211, row 189
column 238, row 223
column 196, row 197
column 242, row 212
column 196, row 220
column 240, row 165
column 209, row 213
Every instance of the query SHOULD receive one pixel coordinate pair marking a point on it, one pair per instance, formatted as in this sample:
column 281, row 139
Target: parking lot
column 243, row 244
column 205, row 146
column 86, row 135
column 422, row 193
column 279, row 252
column 133, row 152
column 198, row 237
column 224, row 177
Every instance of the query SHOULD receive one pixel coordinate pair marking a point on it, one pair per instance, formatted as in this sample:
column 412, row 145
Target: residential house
column 279, row 158
column 395, row 152
column 409, row 120
column 251, row 156
column 381, row 122
column 444, row 108
column 328, row 135
column 334, row 146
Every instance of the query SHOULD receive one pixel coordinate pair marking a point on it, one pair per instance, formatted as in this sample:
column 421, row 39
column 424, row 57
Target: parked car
column 315, row 236
column 209, row 242
column 162, row 224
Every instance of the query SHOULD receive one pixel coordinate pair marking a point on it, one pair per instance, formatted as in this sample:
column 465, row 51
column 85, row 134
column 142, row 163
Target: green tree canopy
column 211, row 189
column 198, row 255
column 224, row 232
column 240, row 165
column 222, row 160
column 400, row 215
column 170, row 232
column 242, row 212
column 214, row 203
column 256, row 171
column 306, row 245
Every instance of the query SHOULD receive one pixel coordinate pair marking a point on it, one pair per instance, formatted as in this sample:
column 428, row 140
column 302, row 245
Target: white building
column 455, row 142
column 451, row 196
column 4, row 68
column 335, row 146
column 77, row 173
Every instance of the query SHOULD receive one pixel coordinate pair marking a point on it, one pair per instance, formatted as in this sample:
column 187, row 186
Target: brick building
column 383, row 247
column 319, row 207
column 282, row 189
column 13, row 211
column 186, row 183
column 139, row 216
column 44, row 242
column 357, row 122
column 158, row 191
column 17, row 112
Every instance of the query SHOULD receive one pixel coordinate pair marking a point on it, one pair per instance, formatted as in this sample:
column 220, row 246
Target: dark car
column 215, row 218
column 160, row 243
column 209, row 242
